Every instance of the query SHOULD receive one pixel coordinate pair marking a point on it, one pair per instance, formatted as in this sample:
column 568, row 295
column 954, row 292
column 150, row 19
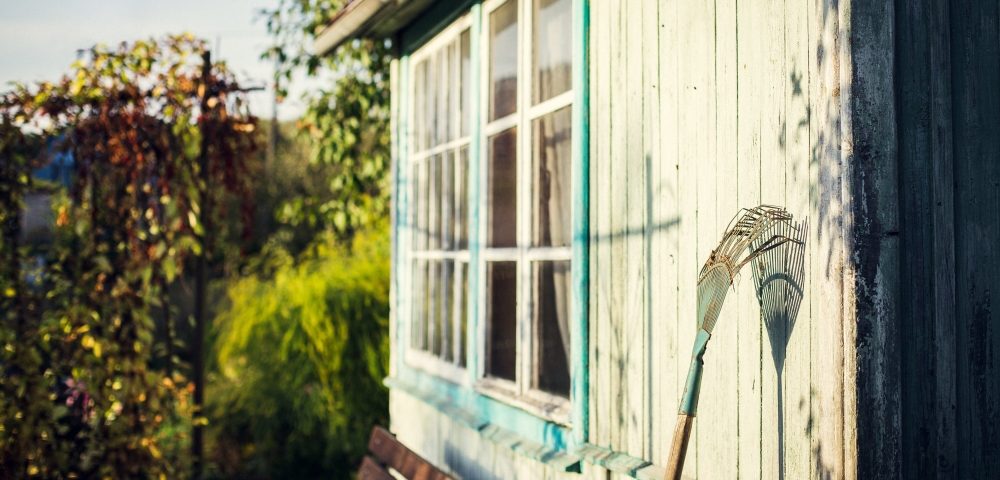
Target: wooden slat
column 619, row 226
column 371, row 470
column 389, row 451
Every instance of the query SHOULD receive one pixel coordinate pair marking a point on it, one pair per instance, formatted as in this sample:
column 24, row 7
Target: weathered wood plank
column 651, row 270
column 634, row 320
column 976, row 114
column 619, row 228
column 666, row 239
column 825, row 241
column 749, row 57
column 385, row 448
column 722, row 406
column 692, row 140
column 600, row 366
column 772, row 157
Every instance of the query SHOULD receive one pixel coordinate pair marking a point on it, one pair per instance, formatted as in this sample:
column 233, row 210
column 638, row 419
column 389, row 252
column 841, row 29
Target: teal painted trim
column 579, row 347
column 402, row 207
column 689, row 404
column 486, row 409
column 430, row 22
column 473, row 357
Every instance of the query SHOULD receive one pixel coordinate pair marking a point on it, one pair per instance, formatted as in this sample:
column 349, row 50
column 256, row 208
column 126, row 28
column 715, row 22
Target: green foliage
column 301, row 355
column 149, row 131
column 348, row 124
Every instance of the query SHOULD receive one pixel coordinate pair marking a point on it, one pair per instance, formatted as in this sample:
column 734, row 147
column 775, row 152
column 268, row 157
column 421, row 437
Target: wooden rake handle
column 682, row 433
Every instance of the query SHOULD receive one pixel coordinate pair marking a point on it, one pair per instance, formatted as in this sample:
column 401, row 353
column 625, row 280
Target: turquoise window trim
column 513, row 418
column 580, row 378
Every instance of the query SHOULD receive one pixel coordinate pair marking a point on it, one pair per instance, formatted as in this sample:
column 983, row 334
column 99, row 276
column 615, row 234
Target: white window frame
column 421, row 359
column 520, row 393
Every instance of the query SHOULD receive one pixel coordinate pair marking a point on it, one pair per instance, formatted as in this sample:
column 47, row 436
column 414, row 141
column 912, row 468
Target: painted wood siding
column 698, row 109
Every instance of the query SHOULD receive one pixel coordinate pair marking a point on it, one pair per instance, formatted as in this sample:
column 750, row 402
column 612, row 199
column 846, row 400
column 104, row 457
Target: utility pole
column 201, row 277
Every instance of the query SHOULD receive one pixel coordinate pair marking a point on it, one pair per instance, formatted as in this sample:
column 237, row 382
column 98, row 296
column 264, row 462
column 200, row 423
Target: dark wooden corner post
column 201, row 278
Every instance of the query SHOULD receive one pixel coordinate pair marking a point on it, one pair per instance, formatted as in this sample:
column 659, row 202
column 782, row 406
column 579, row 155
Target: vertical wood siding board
column 824, row 236
column 665, row 239
column 651, row 265
column 943, row 240
column 724, row 443
column 917, row 258
column 633, row 299
column 749, row 367
column 975, row 108
column 619, row 385
column 581, row 223
column 873, row 236
column 772, row 190
column 602, row 360
column 394, row 213
column 797, row 358
column 691, row 140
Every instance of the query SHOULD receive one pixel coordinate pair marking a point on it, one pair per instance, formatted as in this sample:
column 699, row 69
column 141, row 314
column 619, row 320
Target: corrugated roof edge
column 349, row 22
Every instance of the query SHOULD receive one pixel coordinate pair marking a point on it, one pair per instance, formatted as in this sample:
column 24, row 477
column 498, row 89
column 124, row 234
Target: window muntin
column 439, row 189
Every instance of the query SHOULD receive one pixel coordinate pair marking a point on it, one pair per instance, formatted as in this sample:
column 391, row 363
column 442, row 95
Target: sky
column 39, row 38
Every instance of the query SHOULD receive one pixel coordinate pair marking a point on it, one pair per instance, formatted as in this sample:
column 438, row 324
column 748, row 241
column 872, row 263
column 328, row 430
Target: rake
column 740, row 244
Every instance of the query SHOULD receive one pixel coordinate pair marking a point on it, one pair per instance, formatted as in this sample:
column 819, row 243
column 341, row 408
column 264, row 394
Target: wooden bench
column 386, row 452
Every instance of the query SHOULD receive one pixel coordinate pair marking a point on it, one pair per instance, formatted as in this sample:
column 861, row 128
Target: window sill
column 452, row 405
column 549, row 407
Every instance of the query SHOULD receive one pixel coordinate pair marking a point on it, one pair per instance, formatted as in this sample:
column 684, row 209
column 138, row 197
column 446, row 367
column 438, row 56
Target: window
column 528, row 203
column 521, row 246
column 440, row 199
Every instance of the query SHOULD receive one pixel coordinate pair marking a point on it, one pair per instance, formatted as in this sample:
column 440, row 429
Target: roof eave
column 355, row 17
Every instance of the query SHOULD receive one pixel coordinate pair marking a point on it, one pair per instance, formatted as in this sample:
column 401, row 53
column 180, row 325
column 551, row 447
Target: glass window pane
column 462, row 199
column 447, row 200
column 466, row 83
column 419, row 103
column 501, row 320
column 446, row 308
column 443, row 97
column 503, row 60
column 551, row 281
column 433, row 333
column 463, row 311
column 551, row 210
column 420, row 205
column 418, row 304
column 430, row 109
column 552, row 51
column 434, row 202
column 502, row 190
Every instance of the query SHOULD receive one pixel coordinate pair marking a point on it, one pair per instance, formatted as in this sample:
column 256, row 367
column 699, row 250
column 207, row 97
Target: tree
column 77, row 395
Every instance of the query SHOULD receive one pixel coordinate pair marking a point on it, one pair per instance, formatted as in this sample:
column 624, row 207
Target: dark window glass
column 551, row 321
column 502, row 194
column 501, row 320
column 462, row 199
column 463, row 311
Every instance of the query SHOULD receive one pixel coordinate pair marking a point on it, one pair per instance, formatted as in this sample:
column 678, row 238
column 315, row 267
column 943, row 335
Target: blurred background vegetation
column 290, row 221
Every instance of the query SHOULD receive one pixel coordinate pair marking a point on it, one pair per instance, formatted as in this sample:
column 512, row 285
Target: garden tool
column 739, row 245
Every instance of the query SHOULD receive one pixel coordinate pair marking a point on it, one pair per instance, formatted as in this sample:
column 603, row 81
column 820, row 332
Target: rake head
column 740, row 244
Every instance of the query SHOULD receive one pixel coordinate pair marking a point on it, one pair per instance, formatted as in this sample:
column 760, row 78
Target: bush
column 301, row 354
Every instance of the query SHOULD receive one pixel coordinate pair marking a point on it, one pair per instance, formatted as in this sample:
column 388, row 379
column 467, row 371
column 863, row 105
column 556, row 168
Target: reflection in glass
column 552, row 51
column 462, row 199
column 463, row 310
column 465, row 102
column 501, row 319
column 418, row 305
column 434, row 202
column 503, row 60
column 502, row 189
column 446, row 307
column 447, row 200
column 551, row 282
column 551, row 210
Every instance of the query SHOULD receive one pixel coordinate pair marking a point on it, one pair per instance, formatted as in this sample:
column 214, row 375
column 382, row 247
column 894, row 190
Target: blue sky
column 39, row 38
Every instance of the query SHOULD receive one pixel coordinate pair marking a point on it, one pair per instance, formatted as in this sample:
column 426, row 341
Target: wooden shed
column 562, row 169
